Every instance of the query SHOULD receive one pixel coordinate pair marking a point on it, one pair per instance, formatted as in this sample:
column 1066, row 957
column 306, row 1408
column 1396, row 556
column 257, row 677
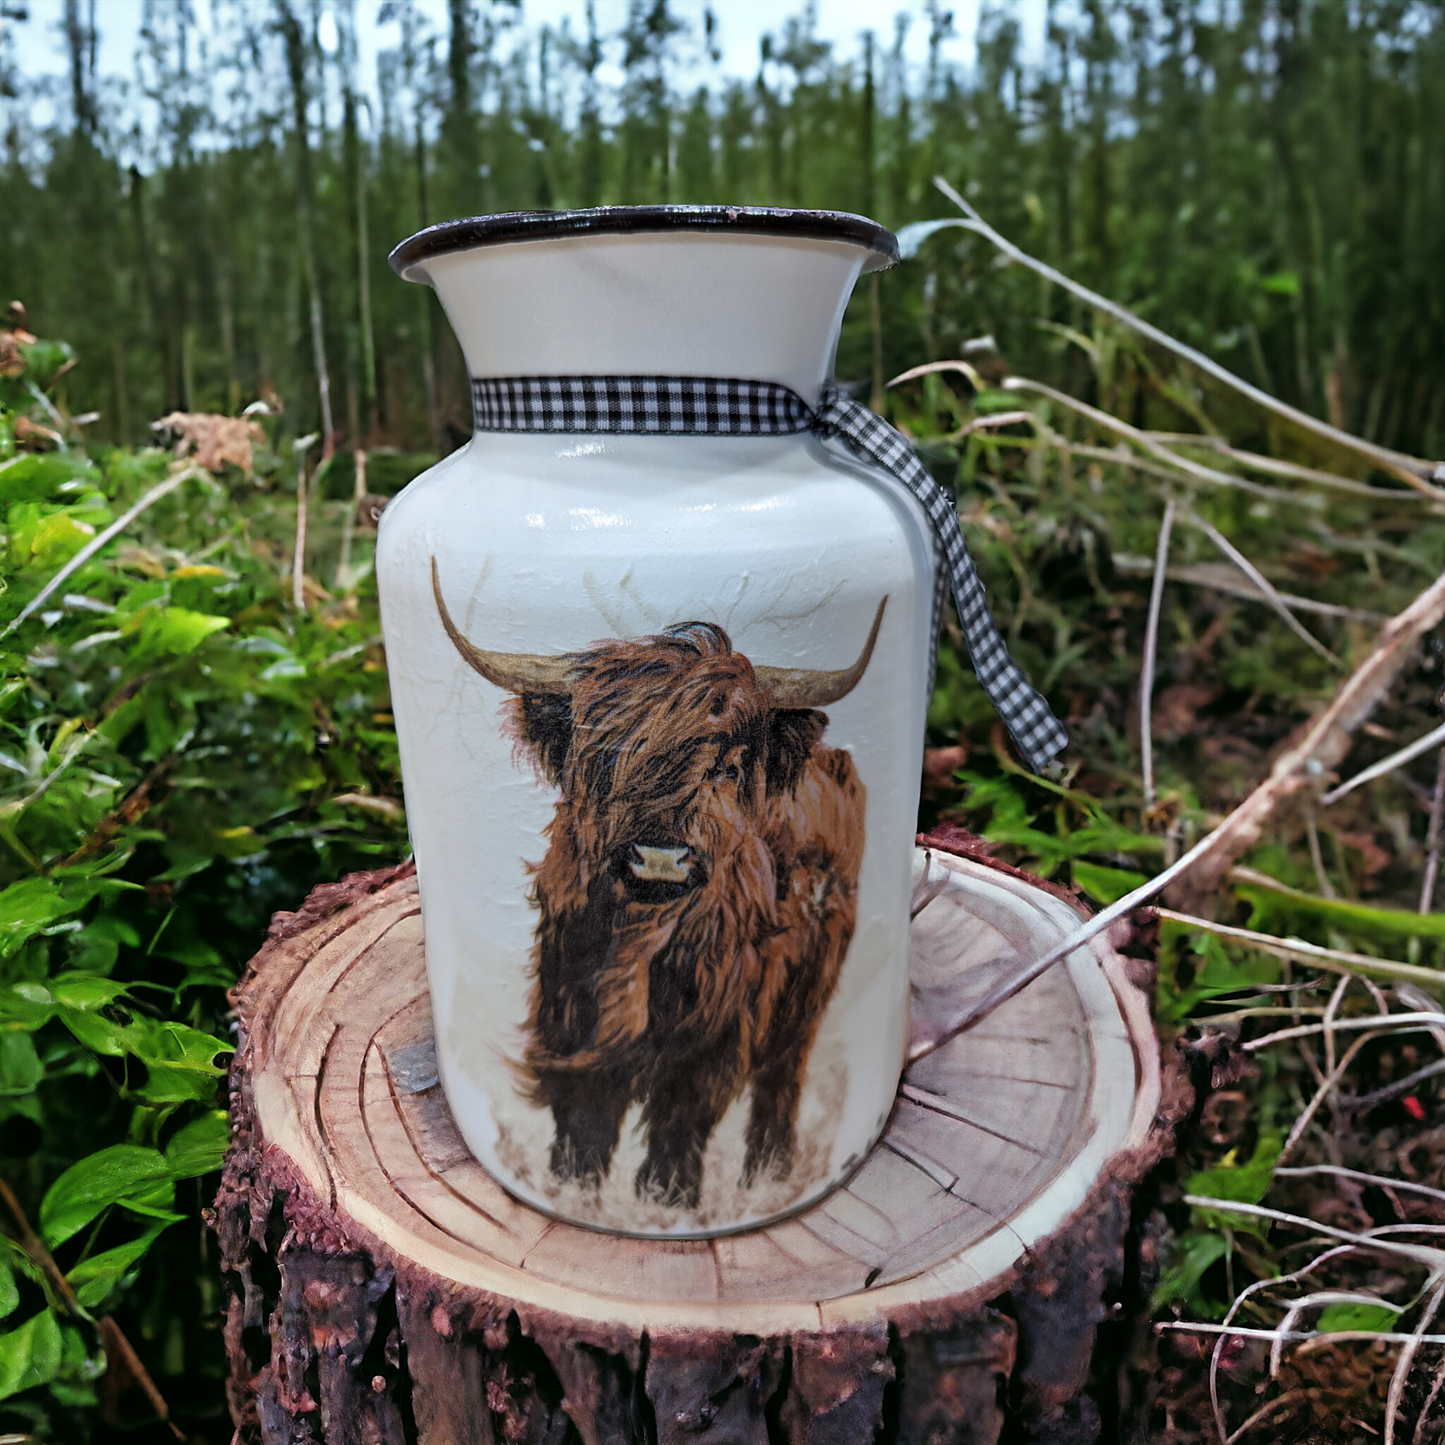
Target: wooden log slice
column 385, row 1287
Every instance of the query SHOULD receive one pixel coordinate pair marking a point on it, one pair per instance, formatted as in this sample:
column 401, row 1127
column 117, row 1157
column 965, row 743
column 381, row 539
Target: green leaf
column 1356, row 1317
column 58, row 538
column 1215, row 971
column 17, row 1262
column 30, row 905
column 1197, row 1251
column 85, row 992
column 174, row 630
column 1246, row 1183
column 79, row 998
column 30, row 1355
column 283, row 669
column 9, row 1292
column 20, row 1067
column 199, row 1148
column 1274, row 900
column 26, row 1006
column 1282, row 283
column 35, row 478
column 127, row 1175
column 1105, row 885
column 99, row 1034
column 181, row 1061
column 95, row 1278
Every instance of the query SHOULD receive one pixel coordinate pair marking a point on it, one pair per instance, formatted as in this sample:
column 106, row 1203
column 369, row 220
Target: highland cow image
column 697, row 896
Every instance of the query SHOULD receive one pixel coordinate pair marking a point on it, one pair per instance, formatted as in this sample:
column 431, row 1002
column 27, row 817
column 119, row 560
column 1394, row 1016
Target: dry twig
column 1219, row 577
column 1264, row 585
column 1297, row 950
column 1411, row 470
column 1432, row 838
column 1321, row 746
column 120, row 1355
column 162, row 489
column 1151, row 653
column 1387, row 765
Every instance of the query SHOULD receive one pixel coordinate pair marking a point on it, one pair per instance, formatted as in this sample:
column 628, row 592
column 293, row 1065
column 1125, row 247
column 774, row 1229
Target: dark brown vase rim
column 463, row 235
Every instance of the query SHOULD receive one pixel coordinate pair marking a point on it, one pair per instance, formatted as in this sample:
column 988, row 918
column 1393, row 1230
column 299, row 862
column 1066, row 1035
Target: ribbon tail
column 1037, row 733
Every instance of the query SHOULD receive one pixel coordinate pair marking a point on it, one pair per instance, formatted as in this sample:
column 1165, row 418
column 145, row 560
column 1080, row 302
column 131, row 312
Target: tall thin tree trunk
column 170, row 363
column 363, row 265
column 866, row 122
column 296, row 66
column 428, row 321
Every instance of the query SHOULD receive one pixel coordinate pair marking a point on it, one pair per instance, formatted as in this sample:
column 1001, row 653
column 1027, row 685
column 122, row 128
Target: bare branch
column 1320, row 748
column 1388, row 765
column 1221, row 578
column 1360, row 1177
column 1423, row 1021
column 1391, row 1337
column 88, row 551
column 1331, row 1080
column 1406, row 1360
column 1120, row 456
column 1140, row 439
column 1274, row 467
column 928, row 368
column 1334, row 959
column 1323, row 743
column 1151, row 652
column 1432, row 1259
column 1412, row 470
column 1432, row 838
column 1265, row 586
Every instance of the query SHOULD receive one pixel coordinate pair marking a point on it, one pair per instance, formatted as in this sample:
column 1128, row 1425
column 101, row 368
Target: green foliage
column 1104, row 885
column 30, row 1354
column 125, row 1174
column 1240, row 1183
column 1195, row 967
column 174, row 737
column 1262, row 180
column 1080, row 827
column 1277, row 908
column 1195, row 1253
column 1357, row 1317
column 1215, row 1237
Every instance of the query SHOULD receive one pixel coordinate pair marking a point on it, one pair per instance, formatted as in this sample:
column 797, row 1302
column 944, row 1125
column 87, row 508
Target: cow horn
column 515, row 671
column 799, row 687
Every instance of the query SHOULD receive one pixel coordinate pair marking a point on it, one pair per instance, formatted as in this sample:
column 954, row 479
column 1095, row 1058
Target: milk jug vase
column 660, row 652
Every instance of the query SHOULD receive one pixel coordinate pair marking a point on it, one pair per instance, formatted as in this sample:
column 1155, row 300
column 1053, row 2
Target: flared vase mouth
column 511, row 226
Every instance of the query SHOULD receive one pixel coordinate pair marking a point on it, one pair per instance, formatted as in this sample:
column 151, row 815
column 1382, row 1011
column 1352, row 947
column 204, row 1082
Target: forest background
column 194, row 724
column 1259, row 178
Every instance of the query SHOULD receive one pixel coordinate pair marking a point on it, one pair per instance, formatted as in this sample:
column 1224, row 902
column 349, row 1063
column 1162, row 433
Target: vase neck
column 763, row 308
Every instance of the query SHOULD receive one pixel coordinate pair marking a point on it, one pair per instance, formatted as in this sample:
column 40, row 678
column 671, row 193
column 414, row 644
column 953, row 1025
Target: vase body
column 662, row 816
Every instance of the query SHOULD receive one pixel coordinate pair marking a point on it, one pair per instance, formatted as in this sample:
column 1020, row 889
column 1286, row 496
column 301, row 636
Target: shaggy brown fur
column 679, row 992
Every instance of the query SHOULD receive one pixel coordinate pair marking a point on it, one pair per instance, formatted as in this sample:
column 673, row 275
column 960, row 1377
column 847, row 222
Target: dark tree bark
column 355, row 1313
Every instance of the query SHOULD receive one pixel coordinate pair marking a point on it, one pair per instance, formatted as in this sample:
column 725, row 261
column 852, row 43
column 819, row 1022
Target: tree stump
column 384, row 1288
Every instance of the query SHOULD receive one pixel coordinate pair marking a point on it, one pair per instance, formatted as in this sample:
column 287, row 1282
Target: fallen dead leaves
column 213, row 441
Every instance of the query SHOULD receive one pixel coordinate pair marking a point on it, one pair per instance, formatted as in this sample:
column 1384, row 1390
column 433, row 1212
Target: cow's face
column 665, row 749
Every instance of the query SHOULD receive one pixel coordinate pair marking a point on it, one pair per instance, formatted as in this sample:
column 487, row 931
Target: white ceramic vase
column 661, row 788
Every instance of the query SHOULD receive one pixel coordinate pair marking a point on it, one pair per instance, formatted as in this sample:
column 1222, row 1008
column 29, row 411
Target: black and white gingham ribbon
column 716, row 406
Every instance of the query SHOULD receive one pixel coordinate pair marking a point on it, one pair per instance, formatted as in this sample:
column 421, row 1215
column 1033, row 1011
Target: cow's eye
column 728, row 768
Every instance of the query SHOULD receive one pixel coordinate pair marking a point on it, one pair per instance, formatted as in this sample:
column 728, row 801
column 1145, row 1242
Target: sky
column 39, row 44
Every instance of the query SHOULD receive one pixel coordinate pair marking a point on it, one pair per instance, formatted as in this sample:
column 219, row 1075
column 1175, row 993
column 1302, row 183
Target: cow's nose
column 660, row 865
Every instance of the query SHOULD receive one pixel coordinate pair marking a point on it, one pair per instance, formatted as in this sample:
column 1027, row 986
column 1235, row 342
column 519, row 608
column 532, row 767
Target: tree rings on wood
column 361, row 1236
